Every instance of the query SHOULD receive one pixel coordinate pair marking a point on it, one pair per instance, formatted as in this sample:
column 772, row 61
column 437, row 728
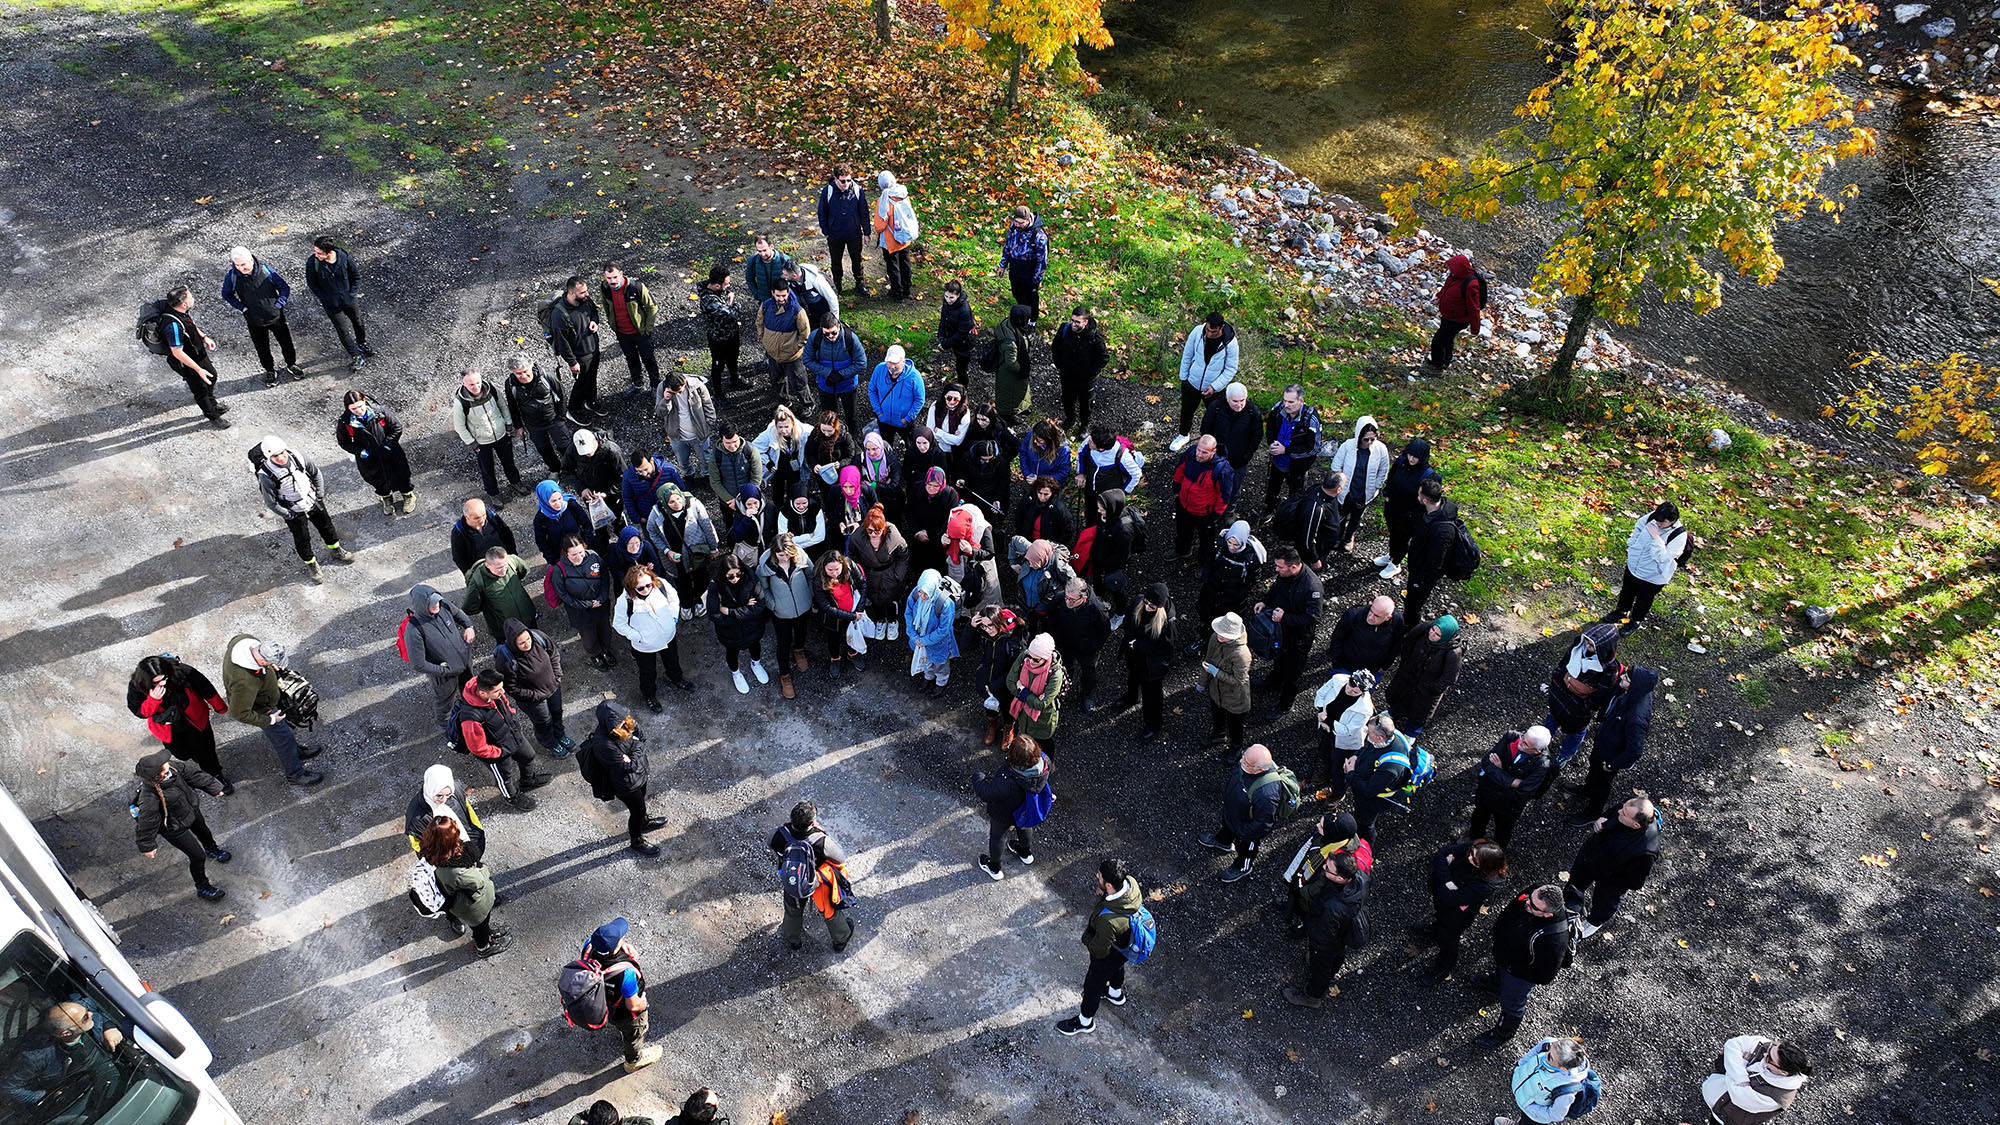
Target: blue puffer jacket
column 896, row 403
column 836, row 365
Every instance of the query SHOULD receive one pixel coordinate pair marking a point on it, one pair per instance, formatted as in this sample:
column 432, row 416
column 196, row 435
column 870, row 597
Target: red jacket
column 1463, row 293
column 196, row 711
column 1204, row 488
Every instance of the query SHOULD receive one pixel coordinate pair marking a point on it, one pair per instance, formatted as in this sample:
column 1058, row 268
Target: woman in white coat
column 1343, row 705
column 1365, row 461
column 648, row 616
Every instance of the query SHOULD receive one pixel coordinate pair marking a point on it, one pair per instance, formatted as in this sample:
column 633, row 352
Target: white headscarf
column 438, row 778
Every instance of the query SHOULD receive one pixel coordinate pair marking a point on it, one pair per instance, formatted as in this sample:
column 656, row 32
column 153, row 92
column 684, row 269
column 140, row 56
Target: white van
column 84, row 1041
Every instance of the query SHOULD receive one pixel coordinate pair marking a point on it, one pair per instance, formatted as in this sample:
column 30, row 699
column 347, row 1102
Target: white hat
column 894, row 354
column 586, row 442
column 271, row 444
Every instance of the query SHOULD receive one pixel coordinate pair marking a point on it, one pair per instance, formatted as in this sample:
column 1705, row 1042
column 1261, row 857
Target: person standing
column 467, row 885
column 1621, row 739
column 1581, row 685
column 624, row 990
column 331, row 276
column 557, row 516
column 896, row 393
column 374, row 437
column 896, row 228
column 813, row 868
column 582, row 583
column 785, row 584
column 999, row 632
column 261, row 294
column 648, row 617
column 1007, row 795
column 539, row 405
column 738, row 614
column 293, row 491
column 531, row 667
column 930, row 617
column 687, row 414
column 1616, row 857
column 782, row 331
column 639, row 486
column 480, row 417
column 1225, row 679
column 571, row 324
column 632, row 317
column 683, row 536
column 1013, row 378
column 179, row 704
column 1380, row 774
column 1119, row 925
column 477, row 532
column 1755, row 1079
column 1549, row 1080
column 1532, row 940
column 1336, row 900
column 956, row 328
column 1204, row 490
column 1401, row 512
column 1364, row 463
column 1464, row 875
column 884, row 556
column 1081, row 625
column 844, row 218
column 1237, row 427
column 836, row 359
column 495, row 588
column 250, row 685
column 1460, row 300
column 1079, row 354
column 1251, row 804
column 1149, row 655
column 1367, row 636
column 1432, row 658
column 187, row 351
column 1431, row 547
column 1659, row 543
column 1312, row 519
column 1208, row 365
column 1294, row 603
column 722, row 326
column 599, row 465
column 613, row 762
column 1292, row 429
column 1232, row 572
column 441, row 796
column 436, row 636
column 485, row 724
column 1341, row 709
column 167, row 806
column 1024, row 258
column 765, row 270
column 1513, row 773
column 840, row 599
column 1036, row 682
column 813, row 292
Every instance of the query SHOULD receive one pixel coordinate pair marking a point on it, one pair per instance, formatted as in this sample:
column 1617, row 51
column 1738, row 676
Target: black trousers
column 321, row 520
column 1449, row 928
column 550, row 441
column 638, row 349
column 1366, row 809
column 1152, row 696
column 835, row 247
column 963, row 361
column 203, row 392
column 583, row 393
column 1323, row 962
column 1218, row 719
column 1191, row 406
column 504, row 450
column 1196, row 533
column 732, row 655
column 1246, row 850
column 1441, row 343
column 260, row 338
column 635, row 812
column 195, row 841
column 1290, row 666
column 1351, row 512
column 1502, row 814
column 1105, row 973
column 1635, row 597
column 1603, row 904
column 1293, row 475
column 1082, row 671
column 1413, row 602
column 1402, row 529
column 546, row 715
column 649, row 668
column 723, row 352
column 1027, row 290
column 996, row 834
column 197, row 746
column 1596, row 785
column 347, row 325
column 1076, row 395
column 897, row 266
column 791, row 633
column 841, row 403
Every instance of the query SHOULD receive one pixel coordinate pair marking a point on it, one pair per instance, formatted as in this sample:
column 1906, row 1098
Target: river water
column 1356, row 93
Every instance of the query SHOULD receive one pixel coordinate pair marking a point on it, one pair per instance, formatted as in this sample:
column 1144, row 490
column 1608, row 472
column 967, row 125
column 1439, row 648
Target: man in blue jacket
column 896, row 394
column 845, row 220
column 261, row 294
column 836, row 359
column 331, row 276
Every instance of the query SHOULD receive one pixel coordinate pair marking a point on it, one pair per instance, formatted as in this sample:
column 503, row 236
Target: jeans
column 195, row 841
column 547, row 717
column 1402, row 527
column 996, row 834
column 1447, row 332
column 347, row 325
column 838, row 928
column 691, row 457
column 322, row 521
column 852, row 248
column 632, row 1027
column 1635, row 598
column 1514, row 996
column 841, row 403
column 638, row 349
column 1572, row 740
column 285, row 745
column 897, row 265
column 260, row 338
column 504, row 450
column 649, row 665
column 1105, row 973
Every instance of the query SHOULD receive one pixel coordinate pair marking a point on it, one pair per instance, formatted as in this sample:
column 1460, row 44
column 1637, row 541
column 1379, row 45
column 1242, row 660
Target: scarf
column 436, row 778
column 928, row 596
column 1035, row 684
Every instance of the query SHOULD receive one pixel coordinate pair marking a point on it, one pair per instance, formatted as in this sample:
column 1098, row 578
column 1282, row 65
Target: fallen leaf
column 280, row 228
column 1292, row 1053
column 205, row 200
column 225, row 919
column 1246, row 1013
column 778, row 1118
column 177, row 542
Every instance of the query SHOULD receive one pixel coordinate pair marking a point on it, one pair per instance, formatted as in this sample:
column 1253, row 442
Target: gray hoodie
column 436, row 642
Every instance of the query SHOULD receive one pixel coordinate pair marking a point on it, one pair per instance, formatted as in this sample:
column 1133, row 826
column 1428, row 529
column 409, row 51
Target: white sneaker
column 895, row 630
column 1178, row 444
column 1383, row 560
column 742, row 685
column 1116, row 622
column 1115, row 997
column 757, row 670
column 1584, row 928
column 687, row 615
column 1392, row 571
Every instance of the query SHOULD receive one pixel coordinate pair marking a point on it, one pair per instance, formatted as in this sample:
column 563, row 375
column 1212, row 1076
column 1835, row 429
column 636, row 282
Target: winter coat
column 468, row 890
column 1621, row 731
column 1048, row 702
column 836, row 365
column 1230, row 575
column 623, row 558
column 1574, row 710
column 281, row 486
column 887, row 567
column 1229, row 687
column 469, row 546
column 996, row 657
column 638, row 305
column 532, row 676
column 956, row 326
column 649, row 626
column 436, row 641
column 1346, row 718
column 602, row 472
column 1519, row 776
column 932, row 631
column 1004, row 791
column 1204, row 488
column 1047, row 583
column 782, row 332
column 550, row 531
column 1336, row 909
column 667, row 408
column 251, row 695
column 843, row 215
column 788, row 596
column 1303, row 598
column 729, row 472
column 1378, row 777
column 1463, row 294
column 1399, row 490
column 1426, row 673
column 813, row 291
column 260, row 295
column 1536, row 1080
column 1209, row 374
column 1617, row 857
column 375, row 442
column 637, row 490
column 619, row 763
column 1250, row 810
column 986, row 481
column 1079, row 356
column 538, row 403
column 578, row 586
column 1743, row 1090
column 760, row 276
column 501, row 596
column 738, row 623
column 488, row 729
column 189, row 702
column 335, row 283
column 831, row 615
column 484, row 420
column 1654, row 560
column 1150, row 656
column 719, row 316
column 1432, row 544
column 1051, row 521
column 419, row 813
column 1378, row 460
column 1081, row 631
column 1531, row 948
column 1357, row 644
column 170, row 806
column 1110, row 925
column 1011, row 389
column 1301, row 441
column 896, row 401
column 1455, row 884
column 682, row 543
column 1055, row 464
column 1025, row 251
column 569, row 324
column 1239, row 433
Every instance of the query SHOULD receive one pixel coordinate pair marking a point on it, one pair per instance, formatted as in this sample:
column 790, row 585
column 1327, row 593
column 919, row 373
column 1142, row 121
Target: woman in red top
column 1460, row 301
column 176, row 701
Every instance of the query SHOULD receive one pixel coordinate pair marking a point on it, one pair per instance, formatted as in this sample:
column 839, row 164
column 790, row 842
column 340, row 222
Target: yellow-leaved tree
column 1672, row 132
column 1946, row 410
column 1013, row 35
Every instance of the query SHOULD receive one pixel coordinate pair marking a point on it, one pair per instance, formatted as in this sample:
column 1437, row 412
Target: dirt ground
column 133, row 527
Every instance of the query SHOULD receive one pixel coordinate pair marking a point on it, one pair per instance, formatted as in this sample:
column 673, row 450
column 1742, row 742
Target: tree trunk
column 885, row 10
column 1014, row 79
column 1558, row 384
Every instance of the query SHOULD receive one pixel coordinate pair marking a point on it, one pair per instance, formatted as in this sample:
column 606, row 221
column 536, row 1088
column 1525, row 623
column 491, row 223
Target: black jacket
column 1035, row 520
column 1358, row 645
column 1621, row 735
column 1303, row 598
column 468, row 547
column 1082, row 631
column 569, row 329
column 1469, row 889
column 537, row 403
column 1534, row 949
column 1003, row 790
column 1399, row 492
column 1079, row 356
column 334, row 284
column 956, row 326
column 1117, row 535
column 417, row 817
column 1240, row 433
column 531, row 676
column 1426, row 672
column 1496, row 783
column 996, row 659
column 1616, row 856
column 743, row 625
column 1432, row 544
column 1337, row 908
column 614, row 767
column 603, row 472
column 1250, row 810
column 1149, row 656
column 170, row 806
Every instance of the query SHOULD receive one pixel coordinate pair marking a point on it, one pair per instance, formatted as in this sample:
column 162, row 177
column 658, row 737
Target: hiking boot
column 313, row 570
column 389, row 506
column 1499, row 1034
column 640, row 845
column 647, row 1057
column 654, row 823
column 536, row 780
column 209, row 893
column 497, row 943
column 1024, row 856
column 785, row 685
column 653, row 705
column 1075, row 1025
column 1115, row 997
column 1208, row 840
column 306, row 779
column 1294, row 996
column 992, row 729
column 800, row 662
column 220, row 423
column 340, row 553
column 219, row 855
column 991, row 868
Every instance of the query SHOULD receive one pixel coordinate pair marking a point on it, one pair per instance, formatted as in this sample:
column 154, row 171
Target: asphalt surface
column 132, row 527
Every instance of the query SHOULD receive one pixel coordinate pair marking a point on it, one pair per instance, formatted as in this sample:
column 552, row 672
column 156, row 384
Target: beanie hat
column 1042, row 647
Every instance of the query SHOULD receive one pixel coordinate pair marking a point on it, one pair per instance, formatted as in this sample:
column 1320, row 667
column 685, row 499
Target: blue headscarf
column 925, row 613
column 543, row 492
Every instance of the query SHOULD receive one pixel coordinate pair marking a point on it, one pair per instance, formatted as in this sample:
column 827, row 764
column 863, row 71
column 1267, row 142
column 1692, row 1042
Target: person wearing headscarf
column 921, row 454
column 558, row 514
column 882, row 554
column 631, row 550
column 441, row 796
column 969, row 558
column 931, row 617
column 1149, row 654
column 847, row 504
column 999, row 633
column 747, row 517
column 882, row 470
column 1432, row 659
column 1225, row 679
column 1580, row 687
column 987, row 425
column 613, row 763
column 467, row 885
column 804, row 518
column 925, row 516
column 684, row 538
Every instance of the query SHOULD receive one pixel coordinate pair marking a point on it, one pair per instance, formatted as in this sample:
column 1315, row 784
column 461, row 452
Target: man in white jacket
column 1208, row 366
column 1364, row 460
column 1755, row 1080
column 1653, row 553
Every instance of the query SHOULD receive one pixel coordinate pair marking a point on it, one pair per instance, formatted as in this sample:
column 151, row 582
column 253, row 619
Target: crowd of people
column 948, row 526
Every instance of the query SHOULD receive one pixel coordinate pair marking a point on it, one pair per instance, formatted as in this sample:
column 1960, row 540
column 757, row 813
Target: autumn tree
column 1945, row 409
column 1671, row 133
column 1013, row 35
column 885, row 12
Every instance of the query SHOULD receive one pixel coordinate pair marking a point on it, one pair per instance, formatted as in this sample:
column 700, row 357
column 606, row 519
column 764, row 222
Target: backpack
column 1264, row 635
column 989, row 355
column 800, row 871
column 297, row 699
column 549, row 586
column 1035, row 808
column 426, row 897
column 1418, row 761
column 581, row 986
column 152, row 330
column 1288, row 782
column 1463, row 556
column 1145, row 935
column 593, row 773
column 1687, row 549
column 548, row 318
column 1588, row 1093
column 403, row 637
column 454, row 735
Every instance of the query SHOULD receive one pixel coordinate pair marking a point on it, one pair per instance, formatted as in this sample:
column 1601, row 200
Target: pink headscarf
column 850, row 483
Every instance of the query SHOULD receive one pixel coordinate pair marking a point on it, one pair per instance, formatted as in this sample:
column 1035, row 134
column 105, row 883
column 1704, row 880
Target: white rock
column 1295, row 196
column 1907, row 12
column 1938, row 29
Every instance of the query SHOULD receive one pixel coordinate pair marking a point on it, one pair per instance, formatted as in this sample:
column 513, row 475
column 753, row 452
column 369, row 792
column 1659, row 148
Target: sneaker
column 228, row 786
column 209, row 893
column 991, row 868
column 220, row 423
column 701, row 609
column 308, row 753
column 1295, row 997
column 340, row 553
column 409, row 503
column 655, row 823
column 389, row 506
column 457, row 927
column 1629, row 628
column 270, row 377
column 357, row 363
column 687, row 613
column 1235, row 873
column 1208, row 840
column 1178, row 444
column 757, row 670
column 1391, row 572
column 1115, row 997
column 647, row 1057
column 495, row 945
column 742, row 685
column 222, row 408
column 219, row 855
column 312, row 569
column 1382, row 561
column 895, row 629
column 1075, row 1025
column 563, row 747
column 366, row 350
column 653, row 705
column 536, row 780
column 1585, row 927
column 1025, row 857
column 1117, row 621
column 860, row 662
column 523, row 803
column 306, row 778
column 295, row 371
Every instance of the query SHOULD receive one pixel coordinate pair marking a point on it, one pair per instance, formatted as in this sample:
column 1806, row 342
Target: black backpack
column 1687, row 547
column 298, row 699
column 1463, row 556
column 989, row 355
column 152, row 330
column 548, row 318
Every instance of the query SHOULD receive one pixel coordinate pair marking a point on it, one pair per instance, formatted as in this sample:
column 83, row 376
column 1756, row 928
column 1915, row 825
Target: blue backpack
column 1035, row 808
column 1145, row 934
column 1588, row 1093
column 1419, row 762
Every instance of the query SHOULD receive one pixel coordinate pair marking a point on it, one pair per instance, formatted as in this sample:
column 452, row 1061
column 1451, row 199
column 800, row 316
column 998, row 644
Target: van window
column 57, row 1058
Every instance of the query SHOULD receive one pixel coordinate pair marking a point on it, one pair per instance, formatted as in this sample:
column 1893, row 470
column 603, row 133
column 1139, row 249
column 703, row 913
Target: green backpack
column 1288, row 798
